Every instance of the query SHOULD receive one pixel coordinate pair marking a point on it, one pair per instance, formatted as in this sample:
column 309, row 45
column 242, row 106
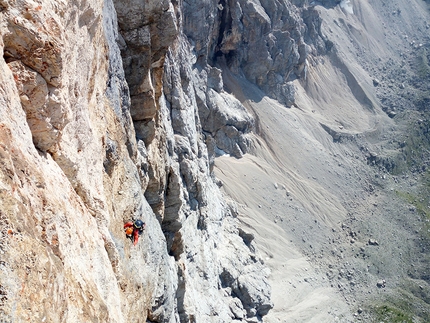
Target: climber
column 134, row 229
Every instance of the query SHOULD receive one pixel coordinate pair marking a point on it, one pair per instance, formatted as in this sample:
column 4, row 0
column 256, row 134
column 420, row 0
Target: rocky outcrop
column 268, row 41
column 147, row 29
column 197, row 216
column 32, row 49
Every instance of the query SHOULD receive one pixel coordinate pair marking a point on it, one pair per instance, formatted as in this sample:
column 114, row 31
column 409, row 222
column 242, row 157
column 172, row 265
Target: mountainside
column 277, row 151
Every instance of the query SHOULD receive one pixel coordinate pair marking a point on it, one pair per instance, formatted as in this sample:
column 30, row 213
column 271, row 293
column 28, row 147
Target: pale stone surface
column 33, row 92
column 68, row 210
column 54, row 262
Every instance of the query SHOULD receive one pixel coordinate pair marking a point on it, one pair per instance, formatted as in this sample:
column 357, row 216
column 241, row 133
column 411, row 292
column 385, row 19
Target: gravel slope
column 331, row 227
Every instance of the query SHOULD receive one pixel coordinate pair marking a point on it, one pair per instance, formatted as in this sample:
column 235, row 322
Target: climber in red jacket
column 134, row 229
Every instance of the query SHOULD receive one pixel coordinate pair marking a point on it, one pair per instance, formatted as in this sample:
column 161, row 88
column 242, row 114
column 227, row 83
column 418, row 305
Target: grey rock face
column 224, row 120
column 195, row 213
column 147, row 29
column 174, row 164
column 268, row 41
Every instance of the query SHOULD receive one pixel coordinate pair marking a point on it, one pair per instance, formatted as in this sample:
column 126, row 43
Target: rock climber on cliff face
column 134, row 229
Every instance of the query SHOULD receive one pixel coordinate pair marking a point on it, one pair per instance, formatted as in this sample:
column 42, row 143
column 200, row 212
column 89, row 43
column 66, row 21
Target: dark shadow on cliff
column 238, row 85
column 329, row 4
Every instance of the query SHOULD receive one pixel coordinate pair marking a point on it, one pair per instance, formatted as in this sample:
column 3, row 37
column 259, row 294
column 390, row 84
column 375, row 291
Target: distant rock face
column 269, row 41
column 147, row 29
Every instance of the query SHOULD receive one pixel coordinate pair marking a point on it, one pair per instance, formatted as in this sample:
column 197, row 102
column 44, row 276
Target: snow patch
column 347, row 6
column 220, row 152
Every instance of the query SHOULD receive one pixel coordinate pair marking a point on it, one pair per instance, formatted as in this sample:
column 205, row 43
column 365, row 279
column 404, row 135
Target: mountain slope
column 276, row 151
column 311, row 180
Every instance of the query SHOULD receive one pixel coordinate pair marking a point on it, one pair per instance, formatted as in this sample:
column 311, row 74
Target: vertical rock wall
column 197, row 223
column 54, row 262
